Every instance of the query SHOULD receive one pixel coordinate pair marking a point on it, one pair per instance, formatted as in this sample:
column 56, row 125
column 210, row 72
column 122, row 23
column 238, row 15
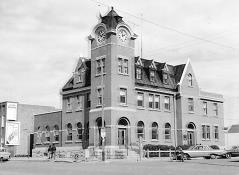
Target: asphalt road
column 125, row 167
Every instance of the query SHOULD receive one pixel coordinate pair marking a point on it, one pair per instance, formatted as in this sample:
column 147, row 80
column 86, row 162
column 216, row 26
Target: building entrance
column 191, row 133
column 123, row 132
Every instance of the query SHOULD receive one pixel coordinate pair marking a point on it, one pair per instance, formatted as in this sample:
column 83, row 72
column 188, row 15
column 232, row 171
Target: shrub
column 157, row 147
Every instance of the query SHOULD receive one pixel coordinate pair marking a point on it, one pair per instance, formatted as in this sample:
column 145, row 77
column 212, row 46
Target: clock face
column 100, row 35
column 122, row 35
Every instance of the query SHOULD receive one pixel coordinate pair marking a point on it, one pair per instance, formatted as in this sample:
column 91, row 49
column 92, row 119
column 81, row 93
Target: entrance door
column 121, row 136
column 190, row 138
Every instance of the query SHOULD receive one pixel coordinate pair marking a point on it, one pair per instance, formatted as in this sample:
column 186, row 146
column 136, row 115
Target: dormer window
column 190, row 80
column 165, row 78
column 152, row 76
column 138, row 73
column 78, row 76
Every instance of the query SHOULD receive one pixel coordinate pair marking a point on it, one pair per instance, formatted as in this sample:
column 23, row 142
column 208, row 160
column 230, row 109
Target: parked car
column 4, row 154
column 234, row 151
column 204, row 151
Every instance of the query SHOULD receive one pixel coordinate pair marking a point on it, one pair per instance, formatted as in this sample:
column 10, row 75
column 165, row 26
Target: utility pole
column 103, row 134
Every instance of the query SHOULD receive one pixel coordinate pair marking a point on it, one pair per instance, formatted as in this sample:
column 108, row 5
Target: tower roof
column 111, row 19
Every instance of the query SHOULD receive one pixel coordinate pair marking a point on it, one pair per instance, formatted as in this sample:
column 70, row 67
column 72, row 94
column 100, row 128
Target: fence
column 159, row 153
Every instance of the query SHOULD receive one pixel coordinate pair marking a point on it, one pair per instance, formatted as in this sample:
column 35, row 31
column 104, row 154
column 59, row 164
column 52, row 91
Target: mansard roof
column 174, row 74
column 87, row 82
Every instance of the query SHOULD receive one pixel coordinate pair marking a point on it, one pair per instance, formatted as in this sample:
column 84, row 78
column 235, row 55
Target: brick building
column 157, row 101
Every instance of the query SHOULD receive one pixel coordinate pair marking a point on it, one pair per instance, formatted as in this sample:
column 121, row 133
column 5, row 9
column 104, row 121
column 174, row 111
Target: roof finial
column 112, row 8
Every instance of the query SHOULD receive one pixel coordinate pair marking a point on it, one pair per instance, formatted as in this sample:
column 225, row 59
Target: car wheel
column 186, row 157
column 213, row 156
column 228, row 156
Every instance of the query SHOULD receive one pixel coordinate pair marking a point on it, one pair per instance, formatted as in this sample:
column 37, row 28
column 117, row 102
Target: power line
column 170, row 28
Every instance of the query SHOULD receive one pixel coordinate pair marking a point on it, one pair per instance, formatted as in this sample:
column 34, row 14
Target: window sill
column 98, row 106
column 191, row 112
column 124, row 105
column 47, row 143
column 140, row 108
column 78, row 110
column 69, row 141
column 154, row 109
column 38, row 143
column 154, row 140
column 56, row 142
column 78, row 141
column 206, row 139
column 123, row 74
column 190, row 86
column 69, row 111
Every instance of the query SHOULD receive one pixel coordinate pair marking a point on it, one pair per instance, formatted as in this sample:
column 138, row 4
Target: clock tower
column 112, row 53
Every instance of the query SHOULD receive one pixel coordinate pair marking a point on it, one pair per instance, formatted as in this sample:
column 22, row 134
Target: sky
column 42, row 40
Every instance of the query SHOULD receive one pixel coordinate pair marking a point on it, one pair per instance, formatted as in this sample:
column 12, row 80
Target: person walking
column 53, row 151
column 181, row 153
column 49, row 151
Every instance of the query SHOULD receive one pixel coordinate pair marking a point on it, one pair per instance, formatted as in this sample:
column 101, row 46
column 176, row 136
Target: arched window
column 79, row 130
column 140, row 129
column 154, row 130
column 69, row 131
column 167, row 131
column 39, row 135
column 47, row 133
column 190, row 80
column 56, row 133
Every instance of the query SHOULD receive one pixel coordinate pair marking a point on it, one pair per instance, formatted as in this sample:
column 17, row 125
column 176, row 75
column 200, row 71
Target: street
column 126, row 167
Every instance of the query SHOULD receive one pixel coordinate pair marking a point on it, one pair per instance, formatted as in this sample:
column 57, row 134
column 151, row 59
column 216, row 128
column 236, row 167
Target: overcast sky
column 41, row 41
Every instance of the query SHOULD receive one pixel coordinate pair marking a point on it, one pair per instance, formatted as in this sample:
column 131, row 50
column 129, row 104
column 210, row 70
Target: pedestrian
column 53, row 151
column 49, row 151
column 181, row 153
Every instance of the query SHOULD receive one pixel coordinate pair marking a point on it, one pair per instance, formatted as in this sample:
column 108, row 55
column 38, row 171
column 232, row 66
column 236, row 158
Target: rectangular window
column 205, row 108
column 79, row 102
column 203, row 131
column 140, row 99
column 206, row 132
column 138, row 73
column 123, row 96
column 99, row 96
column 120, row 65
column 152, row 76
column 88, row 100
column 100, row 65
column 216, row 133
column 157, row 102
column 69, row 104
column 190, row 105
column 103, row 64
column 165, row 78
column 215, row 109
column 123, row 66
column 126, row 68
column 167, row 103
column 151, row 101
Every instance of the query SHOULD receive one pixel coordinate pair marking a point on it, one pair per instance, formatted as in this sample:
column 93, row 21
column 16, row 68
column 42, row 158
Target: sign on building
column 11, row 111
column 12, row 136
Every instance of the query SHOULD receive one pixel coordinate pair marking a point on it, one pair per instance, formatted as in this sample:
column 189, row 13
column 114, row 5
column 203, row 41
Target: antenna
column 141, row 41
